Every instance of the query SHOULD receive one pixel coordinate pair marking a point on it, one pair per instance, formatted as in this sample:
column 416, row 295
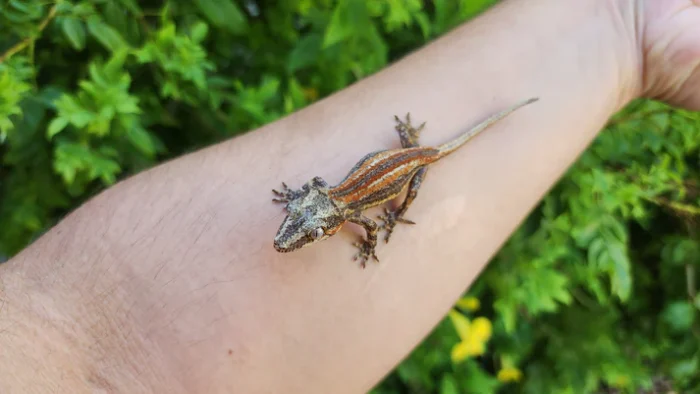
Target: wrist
column 590, row 49
column 624, row 17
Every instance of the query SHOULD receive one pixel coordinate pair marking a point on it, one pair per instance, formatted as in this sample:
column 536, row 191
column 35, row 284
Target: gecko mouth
column 280, row 248
column 286, row 248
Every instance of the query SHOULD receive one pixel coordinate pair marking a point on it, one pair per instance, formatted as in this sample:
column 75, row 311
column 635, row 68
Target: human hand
column 669, row 37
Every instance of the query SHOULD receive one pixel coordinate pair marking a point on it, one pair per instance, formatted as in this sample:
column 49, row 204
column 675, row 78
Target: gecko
column 317, row 210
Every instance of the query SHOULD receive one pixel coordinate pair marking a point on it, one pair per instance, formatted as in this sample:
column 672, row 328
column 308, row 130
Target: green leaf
column 294, row 99
column 680, row 251
column 113, row 69
column 140, row 138
column 442, row 14
column 697, row 301
column 424, row 24
column 132, row 6
column 472, row 7
column 608, row 253
column 586, row 234
column 56, row 126
column 337, row 30
column 399, row 15
column 75, row 32
column 508, row 313
column 685, row 369
column 105, row 34
column 544, row 288
column 378, row 51
column 20, row 6
column 448, row 384
column 199, row 32
column 476, row 380
column 14, row 88
column 305, row 52
column 349, row 19
column 621, row 275
column 68, row 107
column 224, row 14
column 679, row 315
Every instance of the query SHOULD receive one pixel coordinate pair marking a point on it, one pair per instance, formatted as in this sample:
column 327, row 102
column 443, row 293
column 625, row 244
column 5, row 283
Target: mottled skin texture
column 317, row 210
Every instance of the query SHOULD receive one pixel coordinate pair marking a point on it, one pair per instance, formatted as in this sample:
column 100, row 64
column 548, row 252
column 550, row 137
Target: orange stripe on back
column 378, row 171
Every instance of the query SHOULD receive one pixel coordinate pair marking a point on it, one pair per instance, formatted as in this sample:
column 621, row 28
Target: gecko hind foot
column 367, row 252
column 408, row 134
column 391, row 218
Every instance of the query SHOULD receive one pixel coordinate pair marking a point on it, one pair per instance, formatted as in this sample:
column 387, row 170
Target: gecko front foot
column 366, row 252
column 390, row 219
column 284, row 196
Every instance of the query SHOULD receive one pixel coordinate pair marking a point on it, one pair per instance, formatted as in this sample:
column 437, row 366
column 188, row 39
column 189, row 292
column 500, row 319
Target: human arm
column 169, row 279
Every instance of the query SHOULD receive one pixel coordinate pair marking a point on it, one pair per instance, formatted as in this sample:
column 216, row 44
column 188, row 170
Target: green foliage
column 596, row 291
column 14, row 84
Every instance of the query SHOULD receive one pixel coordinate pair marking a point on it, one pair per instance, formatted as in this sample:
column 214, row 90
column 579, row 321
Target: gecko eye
column 317, row 233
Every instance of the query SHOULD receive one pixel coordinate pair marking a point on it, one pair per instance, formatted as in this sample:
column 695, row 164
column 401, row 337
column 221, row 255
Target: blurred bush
column 595, row 292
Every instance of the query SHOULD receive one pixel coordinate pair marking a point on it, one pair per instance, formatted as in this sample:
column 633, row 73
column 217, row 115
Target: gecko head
column 311, row 217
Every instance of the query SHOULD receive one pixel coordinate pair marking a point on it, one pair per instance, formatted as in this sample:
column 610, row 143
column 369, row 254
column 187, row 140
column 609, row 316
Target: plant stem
column 29, row 40
column 676, row 206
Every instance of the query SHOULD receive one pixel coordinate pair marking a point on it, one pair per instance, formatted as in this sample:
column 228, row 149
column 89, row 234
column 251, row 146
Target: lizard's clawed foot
column 284, row 196
column 407, row 131
column 366, row 252
column 390, row 219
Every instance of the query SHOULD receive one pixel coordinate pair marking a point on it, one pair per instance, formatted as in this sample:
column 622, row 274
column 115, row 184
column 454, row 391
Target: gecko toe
column 390, row 219
column 406, row 221
column 366, row 252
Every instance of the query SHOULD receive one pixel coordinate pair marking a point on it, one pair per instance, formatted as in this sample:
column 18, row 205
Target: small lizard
column 317, row 210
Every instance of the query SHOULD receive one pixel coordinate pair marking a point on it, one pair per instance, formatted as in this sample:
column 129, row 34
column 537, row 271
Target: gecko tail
column 449, row 147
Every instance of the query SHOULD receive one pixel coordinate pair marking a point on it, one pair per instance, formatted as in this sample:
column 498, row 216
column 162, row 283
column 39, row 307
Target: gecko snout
column 278, row 246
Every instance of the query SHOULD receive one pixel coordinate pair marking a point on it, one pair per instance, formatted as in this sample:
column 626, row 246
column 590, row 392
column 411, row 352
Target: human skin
column 168, row 281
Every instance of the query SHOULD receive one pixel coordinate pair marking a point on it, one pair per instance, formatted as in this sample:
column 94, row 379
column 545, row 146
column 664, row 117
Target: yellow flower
column 469, row 303
column 473, row 336
column 468, row 348
column 461, row 324
column 481, row 329
column 509, row 374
